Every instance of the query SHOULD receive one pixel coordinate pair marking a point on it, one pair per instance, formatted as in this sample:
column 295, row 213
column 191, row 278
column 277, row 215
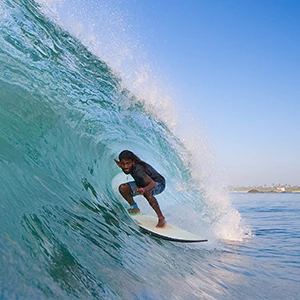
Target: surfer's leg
column 125, row 191
column 154, row 204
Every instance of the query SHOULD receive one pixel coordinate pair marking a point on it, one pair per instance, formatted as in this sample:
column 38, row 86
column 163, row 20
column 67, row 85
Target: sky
column 233, row 66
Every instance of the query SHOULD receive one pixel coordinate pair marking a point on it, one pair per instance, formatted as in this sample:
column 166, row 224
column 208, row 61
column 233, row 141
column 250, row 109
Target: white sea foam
column 200, row 160
column 103, row 28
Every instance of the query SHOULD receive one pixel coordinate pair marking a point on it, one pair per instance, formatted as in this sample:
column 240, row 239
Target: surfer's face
column 126, row 165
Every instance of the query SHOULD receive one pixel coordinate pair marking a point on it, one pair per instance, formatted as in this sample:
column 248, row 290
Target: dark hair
column 126, row 154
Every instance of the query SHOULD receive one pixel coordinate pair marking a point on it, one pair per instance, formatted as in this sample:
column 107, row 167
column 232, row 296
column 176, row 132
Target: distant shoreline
column 265, row 192
column 275, row 189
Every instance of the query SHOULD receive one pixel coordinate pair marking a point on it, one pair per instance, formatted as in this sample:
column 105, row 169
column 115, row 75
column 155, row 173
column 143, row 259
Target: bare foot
column 133, row 211
column 161, row 223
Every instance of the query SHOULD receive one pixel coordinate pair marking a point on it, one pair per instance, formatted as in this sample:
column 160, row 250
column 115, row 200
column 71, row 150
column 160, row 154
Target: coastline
column 278, row 189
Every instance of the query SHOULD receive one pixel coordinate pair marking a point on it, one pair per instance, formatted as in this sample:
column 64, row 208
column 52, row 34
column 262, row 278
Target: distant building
column 280, row 189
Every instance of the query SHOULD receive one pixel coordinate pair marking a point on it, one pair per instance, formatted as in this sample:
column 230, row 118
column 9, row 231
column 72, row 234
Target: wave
column 64, row 116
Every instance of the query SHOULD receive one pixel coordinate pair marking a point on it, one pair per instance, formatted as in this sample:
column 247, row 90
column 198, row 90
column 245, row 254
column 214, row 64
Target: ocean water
column 269, row 260
column 65, row 112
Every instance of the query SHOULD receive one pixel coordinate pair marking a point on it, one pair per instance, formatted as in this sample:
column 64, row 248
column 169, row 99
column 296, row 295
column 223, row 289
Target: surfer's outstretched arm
column 118, row 163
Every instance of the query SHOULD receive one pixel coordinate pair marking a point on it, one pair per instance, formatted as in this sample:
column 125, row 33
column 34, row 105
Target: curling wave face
column 64, row 116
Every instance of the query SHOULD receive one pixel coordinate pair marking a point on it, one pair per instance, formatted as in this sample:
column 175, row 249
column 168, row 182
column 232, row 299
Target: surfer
column 147, row 182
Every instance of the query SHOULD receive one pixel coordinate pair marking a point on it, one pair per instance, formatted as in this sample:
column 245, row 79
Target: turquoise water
column 65, row 234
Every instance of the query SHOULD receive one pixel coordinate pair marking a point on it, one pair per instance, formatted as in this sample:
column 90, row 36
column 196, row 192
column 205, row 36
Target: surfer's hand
column 140, row 191
column 117, row 162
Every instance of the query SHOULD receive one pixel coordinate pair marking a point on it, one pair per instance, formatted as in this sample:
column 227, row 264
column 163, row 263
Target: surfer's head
column 128, row 155
column 128, row 160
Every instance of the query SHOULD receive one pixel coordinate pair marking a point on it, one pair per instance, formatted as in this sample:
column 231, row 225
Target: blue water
column 65, row 113
column 270, row 259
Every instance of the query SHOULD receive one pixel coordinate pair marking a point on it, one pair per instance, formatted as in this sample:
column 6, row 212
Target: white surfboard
column 147, row 223
column 169, row 232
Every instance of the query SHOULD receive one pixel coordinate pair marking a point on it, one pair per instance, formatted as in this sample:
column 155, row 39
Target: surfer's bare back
column 147, row 182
